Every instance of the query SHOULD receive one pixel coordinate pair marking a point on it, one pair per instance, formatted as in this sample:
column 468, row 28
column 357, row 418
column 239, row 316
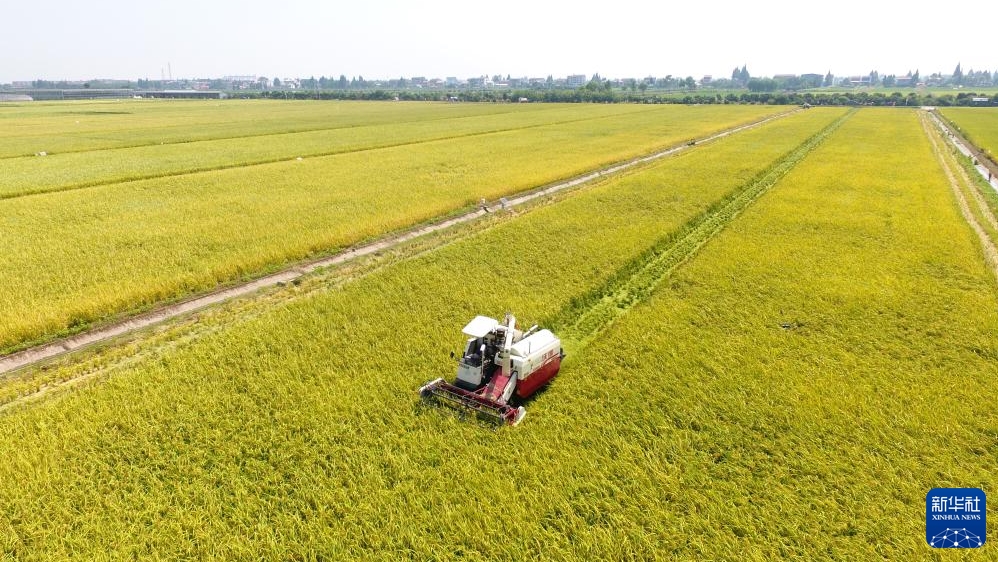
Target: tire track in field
column 959, row 182
column 591, row 314
column 101, row 333
column 274, row 160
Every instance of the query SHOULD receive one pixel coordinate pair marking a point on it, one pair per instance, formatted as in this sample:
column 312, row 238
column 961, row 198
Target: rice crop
column 835, row 344
column 60, row 127
column 83, row 168
column 296, row 432
column 76, row 257
column 978, row 124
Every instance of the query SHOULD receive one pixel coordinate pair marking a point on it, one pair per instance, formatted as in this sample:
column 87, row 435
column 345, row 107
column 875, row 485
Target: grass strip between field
column 586, row 317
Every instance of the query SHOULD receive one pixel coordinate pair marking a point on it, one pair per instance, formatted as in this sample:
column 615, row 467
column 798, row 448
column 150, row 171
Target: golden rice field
column 978, row 124
column 83, row 168
column 806, row 328
column 84, row 126
column 83, row 255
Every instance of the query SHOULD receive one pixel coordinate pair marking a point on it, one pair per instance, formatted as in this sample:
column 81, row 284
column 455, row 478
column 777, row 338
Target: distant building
column 576, row 80
column 451, row 81
column 707, row 79
column 858, row 80
column 477, row 82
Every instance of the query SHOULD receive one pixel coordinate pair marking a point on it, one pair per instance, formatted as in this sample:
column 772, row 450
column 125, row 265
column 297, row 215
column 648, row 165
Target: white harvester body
column 498, row 363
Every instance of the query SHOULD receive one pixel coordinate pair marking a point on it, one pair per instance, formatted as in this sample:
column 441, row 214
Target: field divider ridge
column 36, row 354
column 587, row 316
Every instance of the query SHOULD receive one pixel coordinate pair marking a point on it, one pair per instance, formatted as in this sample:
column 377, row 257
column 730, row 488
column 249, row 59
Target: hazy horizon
column 113, row 39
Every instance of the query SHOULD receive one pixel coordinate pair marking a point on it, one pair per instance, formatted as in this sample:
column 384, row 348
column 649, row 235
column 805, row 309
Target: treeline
column 583, row 95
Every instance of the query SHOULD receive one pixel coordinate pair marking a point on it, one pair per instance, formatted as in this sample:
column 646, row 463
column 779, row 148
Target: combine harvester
column 499, row 362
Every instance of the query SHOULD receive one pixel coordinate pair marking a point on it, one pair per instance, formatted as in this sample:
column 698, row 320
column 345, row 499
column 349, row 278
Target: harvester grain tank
column 500, row 365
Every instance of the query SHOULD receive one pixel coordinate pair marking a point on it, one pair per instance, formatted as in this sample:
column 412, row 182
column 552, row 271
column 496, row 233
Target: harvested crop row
column 297, row 432
column 76, row 257
column 835, row 344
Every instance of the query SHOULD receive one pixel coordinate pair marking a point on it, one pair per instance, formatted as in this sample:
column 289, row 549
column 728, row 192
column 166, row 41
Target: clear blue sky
column 61, row 39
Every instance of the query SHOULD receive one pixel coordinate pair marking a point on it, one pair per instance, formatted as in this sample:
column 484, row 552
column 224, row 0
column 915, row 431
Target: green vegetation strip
column 588, row 316
column 297, row 433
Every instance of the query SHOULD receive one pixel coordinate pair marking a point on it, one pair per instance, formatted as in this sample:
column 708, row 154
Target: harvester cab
column 478, row 364
column 498, row 363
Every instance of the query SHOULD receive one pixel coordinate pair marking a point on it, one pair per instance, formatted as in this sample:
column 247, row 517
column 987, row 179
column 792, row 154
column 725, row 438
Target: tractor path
column 41, row 353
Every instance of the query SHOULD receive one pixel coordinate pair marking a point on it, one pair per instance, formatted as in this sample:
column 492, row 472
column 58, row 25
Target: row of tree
column 740, row 79
column 597, row 95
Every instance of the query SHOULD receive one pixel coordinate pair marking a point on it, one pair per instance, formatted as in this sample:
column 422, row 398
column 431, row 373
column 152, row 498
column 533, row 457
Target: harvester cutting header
column 498, row 364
